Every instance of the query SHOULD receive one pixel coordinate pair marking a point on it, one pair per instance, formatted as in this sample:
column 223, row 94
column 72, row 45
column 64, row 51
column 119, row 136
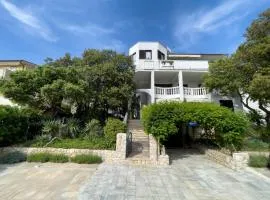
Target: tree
column 247, row 71
column 91, row 87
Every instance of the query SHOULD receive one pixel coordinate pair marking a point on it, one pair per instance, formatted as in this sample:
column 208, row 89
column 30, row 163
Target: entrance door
column 136, row 108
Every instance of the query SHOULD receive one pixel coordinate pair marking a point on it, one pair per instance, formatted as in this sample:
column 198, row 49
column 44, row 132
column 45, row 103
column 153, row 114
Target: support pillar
column 153, row 87
column 181, row 87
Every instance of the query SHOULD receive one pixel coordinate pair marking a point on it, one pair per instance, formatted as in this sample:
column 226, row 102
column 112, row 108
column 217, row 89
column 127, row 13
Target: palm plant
column 54, row 128
column 93, row 129
column 72, row 127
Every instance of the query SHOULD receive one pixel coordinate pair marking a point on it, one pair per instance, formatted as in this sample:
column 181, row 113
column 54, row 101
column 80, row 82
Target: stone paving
column 190, row 176
column 34, row 181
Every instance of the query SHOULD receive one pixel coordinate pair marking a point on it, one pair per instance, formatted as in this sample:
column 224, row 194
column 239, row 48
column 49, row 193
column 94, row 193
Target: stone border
column 109, row 156
column 236, row 161
column 157, row 157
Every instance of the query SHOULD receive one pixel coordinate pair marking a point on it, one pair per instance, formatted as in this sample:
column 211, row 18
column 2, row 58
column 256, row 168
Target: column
column 181, row 88
column 153, row 87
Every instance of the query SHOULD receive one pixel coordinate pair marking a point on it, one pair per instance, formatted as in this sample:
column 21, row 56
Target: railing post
column 152, row 86
column 181, row 88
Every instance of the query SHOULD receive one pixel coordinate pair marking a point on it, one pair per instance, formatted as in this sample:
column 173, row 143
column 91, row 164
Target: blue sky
column 33, row 30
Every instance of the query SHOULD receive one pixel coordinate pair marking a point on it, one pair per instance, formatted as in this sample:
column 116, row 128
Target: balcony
column 196, row 65
column 190, row 94
column 167, row 93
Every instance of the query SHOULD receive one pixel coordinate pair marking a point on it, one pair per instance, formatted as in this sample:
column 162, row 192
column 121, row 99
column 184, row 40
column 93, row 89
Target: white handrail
column 195, row 91
column 167, row 91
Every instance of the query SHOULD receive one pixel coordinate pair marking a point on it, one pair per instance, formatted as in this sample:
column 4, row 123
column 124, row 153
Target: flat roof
column 21, row 61
column 198, row 54
column 165, row 46
column 182, row 54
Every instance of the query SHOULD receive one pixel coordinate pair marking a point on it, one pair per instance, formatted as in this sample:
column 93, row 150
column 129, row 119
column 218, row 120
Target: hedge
column 18, row 124
column 112, row 127
column 47, row 157
column 86, row 159
column 166, row 118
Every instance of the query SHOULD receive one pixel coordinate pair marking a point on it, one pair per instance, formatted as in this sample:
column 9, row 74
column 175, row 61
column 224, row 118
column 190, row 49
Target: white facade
column 162, row 75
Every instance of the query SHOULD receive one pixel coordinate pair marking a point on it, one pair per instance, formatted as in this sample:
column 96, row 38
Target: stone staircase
column 140, row 144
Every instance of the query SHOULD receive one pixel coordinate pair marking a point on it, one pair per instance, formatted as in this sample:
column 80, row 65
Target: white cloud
column 29, row 20
column 89, row 29
column 189, row 28
column 97, row 36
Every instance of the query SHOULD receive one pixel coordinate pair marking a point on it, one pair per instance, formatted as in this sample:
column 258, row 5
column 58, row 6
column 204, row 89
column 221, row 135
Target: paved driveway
column 191, row 176
column 32, row 181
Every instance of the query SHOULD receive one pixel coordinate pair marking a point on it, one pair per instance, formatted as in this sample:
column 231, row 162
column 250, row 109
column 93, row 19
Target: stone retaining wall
column 107, row 155
column 236, row 161
column 154, row 152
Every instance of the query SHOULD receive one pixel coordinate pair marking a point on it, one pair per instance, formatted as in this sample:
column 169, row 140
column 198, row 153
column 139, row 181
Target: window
column 146, row 54
column 227, row 103
column 161, row 55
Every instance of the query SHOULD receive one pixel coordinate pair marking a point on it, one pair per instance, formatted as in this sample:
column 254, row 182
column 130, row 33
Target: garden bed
column 76, row 143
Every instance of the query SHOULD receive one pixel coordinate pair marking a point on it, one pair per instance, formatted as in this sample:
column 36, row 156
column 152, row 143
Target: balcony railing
column 174, row 92
column 200, row 65
column 167, row 91
column 195, row 91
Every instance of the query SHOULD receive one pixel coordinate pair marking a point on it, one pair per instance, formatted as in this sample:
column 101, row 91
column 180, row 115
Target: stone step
column 137, row 131
column 140, row 136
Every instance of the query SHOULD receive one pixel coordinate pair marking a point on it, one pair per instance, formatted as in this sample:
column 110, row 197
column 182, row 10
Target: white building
column 163, row 75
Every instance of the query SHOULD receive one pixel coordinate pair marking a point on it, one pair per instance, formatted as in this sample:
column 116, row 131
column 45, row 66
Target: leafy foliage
column 86, row 159
column 112, row 127
column 53, row 128
column 93, row 129
column 247, row 72
column 18, row 124
column 47, row 157
column 85, row 88
column 74, row 143
column 258, row 161
column 255, row 144
column 219, row 123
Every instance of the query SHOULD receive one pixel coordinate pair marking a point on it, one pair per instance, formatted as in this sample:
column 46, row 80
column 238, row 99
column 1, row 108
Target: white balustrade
column 171, row 64
column 174, row 92
column 167, row 91
column 195, row 91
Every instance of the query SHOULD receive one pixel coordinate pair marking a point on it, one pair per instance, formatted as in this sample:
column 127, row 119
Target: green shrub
column 86, row 159
column 47, row 157
column 76, row 143
column 18, row 125
column 166, row 118
column 72, row 127
column 13, row 157
column 258, row 161
column 93, row 129
column 112, row 127
column 58, row 158
column 255, row 144
column 61, row 128
column 53, row 128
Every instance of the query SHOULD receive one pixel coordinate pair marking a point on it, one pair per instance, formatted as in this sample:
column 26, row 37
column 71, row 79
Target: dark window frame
column 142, row 54
column 160, row 55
